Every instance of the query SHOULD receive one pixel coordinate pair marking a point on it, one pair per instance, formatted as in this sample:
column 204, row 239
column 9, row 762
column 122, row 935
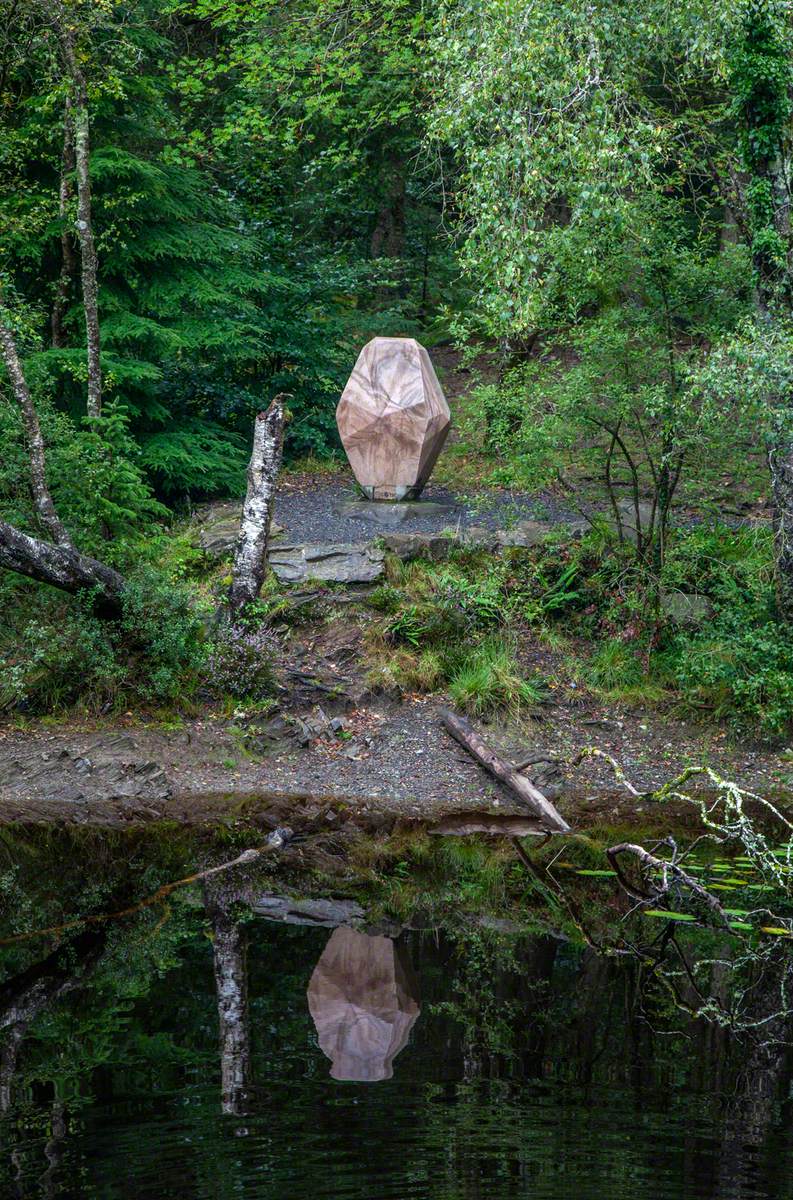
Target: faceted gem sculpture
column 363, row 999
column 393, row 418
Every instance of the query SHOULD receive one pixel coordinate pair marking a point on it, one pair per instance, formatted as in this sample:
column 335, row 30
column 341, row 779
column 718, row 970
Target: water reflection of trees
column 502, row 1016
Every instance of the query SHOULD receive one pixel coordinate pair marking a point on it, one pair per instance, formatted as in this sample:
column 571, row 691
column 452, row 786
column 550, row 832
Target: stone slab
column 341, row 562
column 217, row 538
column 687, row 608
column 407, row 546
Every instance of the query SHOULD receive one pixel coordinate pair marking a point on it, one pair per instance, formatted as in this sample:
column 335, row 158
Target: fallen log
column 463, row 732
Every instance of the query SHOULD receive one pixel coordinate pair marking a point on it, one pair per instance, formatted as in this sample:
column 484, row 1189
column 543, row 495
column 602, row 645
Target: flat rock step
column 363, row 562
column 440, row 545
column 339, row 562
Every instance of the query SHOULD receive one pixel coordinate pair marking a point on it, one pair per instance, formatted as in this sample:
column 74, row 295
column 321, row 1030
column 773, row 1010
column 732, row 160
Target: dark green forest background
column 260, row 206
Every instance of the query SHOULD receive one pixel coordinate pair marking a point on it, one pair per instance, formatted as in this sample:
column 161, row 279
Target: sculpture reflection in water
column 363, row 998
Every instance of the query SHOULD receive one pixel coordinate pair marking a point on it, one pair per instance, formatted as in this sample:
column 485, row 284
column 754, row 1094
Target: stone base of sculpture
column 392, row 493
column 396, row 513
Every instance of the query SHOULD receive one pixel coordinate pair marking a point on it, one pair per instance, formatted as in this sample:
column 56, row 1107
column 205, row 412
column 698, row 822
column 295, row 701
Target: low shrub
column 64, row 655
column 240, row 661
column 739, row 668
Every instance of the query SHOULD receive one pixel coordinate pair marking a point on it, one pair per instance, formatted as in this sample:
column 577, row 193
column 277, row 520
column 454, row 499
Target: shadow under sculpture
column 393, row 418
column 363, row 999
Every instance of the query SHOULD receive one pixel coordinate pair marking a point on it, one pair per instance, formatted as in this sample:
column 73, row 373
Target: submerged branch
column 274, row 842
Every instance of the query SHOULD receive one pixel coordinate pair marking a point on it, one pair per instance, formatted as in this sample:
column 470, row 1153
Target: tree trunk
column 388, row 235
column 85, row 228
column 231, row 987
column 250, row 558
column 68, row 263
column 780, row 462
column 38, row 475
column 60, row 566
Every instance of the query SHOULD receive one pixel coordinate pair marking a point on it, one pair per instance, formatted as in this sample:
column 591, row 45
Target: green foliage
column 63, row 655
column 739, row 665
column 733, row 663
column 619, row 398
column 437, row 632
column 560, row 114
column 95, row 474
column 760, row 78
column 160, row 623
column 254, row 199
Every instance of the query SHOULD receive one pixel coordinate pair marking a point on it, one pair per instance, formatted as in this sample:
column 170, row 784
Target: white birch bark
column 38, row 476
column 250, row 558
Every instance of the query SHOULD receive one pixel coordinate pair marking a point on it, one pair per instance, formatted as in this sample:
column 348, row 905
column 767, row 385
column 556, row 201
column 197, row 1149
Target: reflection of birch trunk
column 53, row 1150
column 231, row 986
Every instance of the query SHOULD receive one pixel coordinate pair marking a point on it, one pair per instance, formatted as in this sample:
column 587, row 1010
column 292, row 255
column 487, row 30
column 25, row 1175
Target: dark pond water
column 201, row 1054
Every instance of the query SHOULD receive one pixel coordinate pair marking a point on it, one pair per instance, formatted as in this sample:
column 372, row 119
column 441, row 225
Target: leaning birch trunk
column 250, row 558
column 61, row 567
column 38, row 475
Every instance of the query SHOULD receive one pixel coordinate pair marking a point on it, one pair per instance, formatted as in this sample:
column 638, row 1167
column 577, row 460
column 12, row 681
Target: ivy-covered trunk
column 780, row 462
column 68, row 265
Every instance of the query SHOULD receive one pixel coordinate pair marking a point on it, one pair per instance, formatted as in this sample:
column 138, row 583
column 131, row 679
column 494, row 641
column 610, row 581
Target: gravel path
column 399, row 758
column 306, row 509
